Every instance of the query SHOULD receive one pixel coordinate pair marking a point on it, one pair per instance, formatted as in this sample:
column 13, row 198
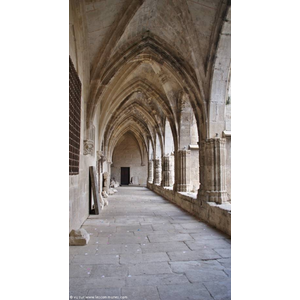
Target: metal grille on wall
column 74, row 119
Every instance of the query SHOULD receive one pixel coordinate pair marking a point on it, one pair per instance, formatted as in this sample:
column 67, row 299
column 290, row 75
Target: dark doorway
column 125, row 175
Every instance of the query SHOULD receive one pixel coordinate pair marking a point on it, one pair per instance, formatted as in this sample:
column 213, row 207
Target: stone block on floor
column 141, row 293
column 78, row 237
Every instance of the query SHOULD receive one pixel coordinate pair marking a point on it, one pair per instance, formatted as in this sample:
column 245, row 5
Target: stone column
column 109, row 175
column 157, row 171
column 184, row 170
column 150, row 171
column 213, row 170
column 168, row 171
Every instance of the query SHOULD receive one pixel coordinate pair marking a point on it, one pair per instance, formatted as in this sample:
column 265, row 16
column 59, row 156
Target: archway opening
column 127, row 155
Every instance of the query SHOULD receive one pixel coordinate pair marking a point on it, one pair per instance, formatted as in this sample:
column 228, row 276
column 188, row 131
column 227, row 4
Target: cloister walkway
column 144, row 247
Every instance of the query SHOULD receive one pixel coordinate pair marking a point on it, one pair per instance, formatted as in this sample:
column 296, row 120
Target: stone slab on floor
column 149, row 268
column 95, row 283
column 186, row 266
column 225, row 253
column 136, row 258
column 206, row 276
column 169, row 238
column 108, row 292
column 210, row 243
column 143, row 247
column 109, row 271
column 220, row 290
column 164, row 247
column 204, row 254
column 140, row 293
column 96, row 259
column 156, row 280
column 77, row 270
column 184, row 292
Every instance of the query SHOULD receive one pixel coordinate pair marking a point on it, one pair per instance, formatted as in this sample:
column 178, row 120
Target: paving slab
column 76, row 291
column 77, row 270
column 109, row 292
column 90, row 249
column 164, row 247
column 208, row 234
column 185, row 266
column 143, row 257
column 219, row 290
column 194, row 226
column 149, row 268
column 205, row 275
column 109, row 271
column 134, row 228
column 96, row 283
column 169, row 238
column 193, row 255
column 127, row 240
column 118, row 248
column 156, row 280
column 143, row 247
column 225, row 262
column 95, row 259
column 184, row 292
column 224, row 252
column 141, row 293
column 210, row 243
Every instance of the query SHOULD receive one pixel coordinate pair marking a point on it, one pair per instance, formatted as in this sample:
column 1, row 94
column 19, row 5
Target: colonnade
column 174, row 171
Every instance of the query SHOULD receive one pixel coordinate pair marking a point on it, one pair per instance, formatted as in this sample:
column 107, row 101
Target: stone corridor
column 144, row 247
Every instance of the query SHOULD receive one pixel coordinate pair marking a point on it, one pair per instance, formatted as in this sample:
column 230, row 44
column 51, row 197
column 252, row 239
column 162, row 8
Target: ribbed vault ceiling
column 147, row 57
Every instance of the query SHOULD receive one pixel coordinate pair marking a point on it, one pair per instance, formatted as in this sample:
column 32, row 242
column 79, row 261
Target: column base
column 218, row 197
column 183, row 187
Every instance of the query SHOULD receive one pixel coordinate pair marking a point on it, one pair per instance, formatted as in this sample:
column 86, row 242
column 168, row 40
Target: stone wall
column 127, row 154
column 79, row 184
column 218, row 216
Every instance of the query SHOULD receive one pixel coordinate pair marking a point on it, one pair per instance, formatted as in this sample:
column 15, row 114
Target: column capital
column 88, row 147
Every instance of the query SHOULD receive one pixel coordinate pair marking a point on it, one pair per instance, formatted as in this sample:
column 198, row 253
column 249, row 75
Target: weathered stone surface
column 156, row 280
column 184, row 292
column 140, row 292
column 96, row 259
column 140, row 228
column 119, row 248
column 205, row 276
column 224, row 252
column 208, row 243
column 105, row 292
column 143, row 257
column 220, row 290
column 127, row 240
column 164, row 247
column 96, row 283
column 78, row 237
column 193, row 255
column 146, row 269
column 109, row 271
column 186, row 266
column 149, row 268
column 90, row 249
column 77, row 270
column 169, row 238
column 225, row 262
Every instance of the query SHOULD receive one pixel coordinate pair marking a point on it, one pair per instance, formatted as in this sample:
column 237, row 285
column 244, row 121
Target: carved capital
column 88, row 147
column 99, row 154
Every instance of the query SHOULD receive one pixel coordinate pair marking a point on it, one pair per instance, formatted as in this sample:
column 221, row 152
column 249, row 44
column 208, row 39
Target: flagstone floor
column 144, row 247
